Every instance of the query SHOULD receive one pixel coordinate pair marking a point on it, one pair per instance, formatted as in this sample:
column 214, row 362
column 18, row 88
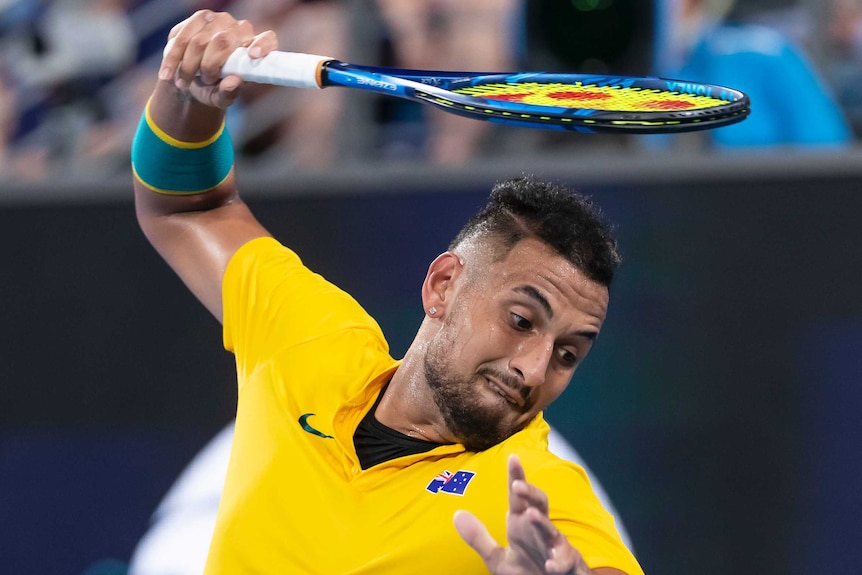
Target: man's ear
column 439, row 284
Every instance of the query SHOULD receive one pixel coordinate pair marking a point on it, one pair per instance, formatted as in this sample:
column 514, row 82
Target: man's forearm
column 181, row 155
column 181, row 116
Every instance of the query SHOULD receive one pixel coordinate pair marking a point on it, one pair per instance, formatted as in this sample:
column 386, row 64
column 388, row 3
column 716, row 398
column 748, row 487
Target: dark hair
column 565, row 220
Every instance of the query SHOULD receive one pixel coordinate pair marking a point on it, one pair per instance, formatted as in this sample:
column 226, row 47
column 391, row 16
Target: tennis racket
column 575, row 102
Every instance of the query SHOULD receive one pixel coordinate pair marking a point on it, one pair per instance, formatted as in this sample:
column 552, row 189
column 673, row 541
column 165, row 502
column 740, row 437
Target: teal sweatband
column 169, row 166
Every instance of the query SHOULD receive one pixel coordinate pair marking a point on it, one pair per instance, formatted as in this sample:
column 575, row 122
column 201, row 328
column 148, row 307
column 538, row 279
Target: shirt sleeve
column 272, row 301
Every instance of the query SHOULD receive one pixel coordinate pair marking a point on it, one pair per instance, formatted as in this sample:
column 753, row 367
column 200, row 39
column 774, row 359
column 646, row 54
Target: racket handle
column 277, row 68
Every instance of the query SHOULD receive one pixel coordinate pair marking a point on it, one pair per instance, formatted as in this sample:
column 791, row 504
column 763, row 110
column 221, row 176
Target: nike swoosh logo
column 303, row 421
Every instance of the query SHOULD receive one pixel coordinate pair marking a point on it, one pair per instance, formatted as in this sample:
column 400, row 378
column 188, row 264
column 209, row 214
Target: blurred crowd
column 74, row 74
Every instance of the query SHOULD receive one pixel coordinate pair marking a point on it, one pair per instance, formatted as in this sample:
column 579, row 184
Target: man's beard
column 464, row 411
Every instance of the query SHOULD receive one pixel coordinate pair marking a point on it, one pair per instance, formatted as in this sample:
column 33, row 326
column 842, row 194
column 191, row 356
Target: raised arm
column 186, row 195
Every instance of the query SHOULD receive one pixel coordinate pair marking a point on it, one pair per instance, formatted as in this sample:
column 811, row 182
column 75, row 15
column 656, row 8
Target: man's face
column 513, row 334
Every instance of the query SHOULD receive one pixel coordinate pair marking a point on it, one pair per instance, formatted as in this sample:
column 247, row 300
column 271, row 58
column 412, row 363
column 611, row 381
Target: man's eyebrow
column 536, row 295
column 590, row 335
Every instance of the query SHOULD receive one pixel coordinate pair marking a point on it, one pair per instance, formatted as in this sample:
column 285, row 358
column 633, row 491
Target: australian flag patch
column 448, row 482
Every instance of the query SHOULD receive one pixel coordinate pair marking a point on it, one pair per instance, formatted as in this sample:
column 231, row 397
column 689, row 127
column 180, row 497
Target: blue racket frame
column 437, row 88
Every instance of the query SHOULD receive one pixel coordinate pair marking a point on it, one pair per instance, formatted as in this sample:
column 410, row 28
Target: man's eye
column 521, row 322
column 567, row 358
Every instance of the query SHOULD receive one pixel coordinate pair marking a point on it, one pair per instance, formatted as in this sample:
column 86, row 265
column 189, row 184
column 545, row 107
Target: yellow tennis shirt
column 310, row 363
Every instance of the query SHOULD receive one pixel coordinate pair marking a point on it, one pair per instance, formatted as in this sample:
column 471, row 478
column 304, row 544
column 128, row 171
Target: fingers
column 545, row 532
column 534, row 542
column 522, row 494
column 263, row 44
column 517, row 476
column 529, row 526
column 476, row 535
column 178, row 41
column 528, row 495
column 516, row 470
column 202, row 44
column 565, row 559
column 198, row 47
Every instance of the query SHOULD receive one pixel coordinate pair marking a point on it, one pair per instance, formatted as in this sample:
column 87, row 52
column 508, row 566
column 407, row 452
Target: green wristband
column 169, row 166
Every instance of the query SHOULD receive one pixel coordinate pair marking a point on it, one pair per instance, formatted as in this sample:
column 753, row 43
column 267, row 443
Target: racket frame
column 437, row 88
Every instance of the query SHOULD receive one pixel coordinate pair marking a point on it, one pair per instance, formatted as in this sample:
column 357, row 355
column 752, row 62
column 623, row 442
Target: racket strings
column 590, row 96
column 615, row 121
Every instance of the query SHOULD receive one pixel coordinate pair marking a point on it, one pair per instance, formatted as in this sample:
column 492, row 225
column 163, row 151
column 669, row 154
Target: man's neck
column 407, row 405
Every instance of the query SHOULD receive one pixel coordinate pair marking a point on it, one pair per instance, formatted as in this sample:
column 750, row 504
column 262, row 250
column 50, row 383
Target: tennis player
column 344, row 459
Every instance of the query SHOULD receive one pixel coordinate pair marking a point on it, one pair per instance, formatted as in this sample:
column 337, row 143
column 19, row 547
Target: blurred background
column 719, row 409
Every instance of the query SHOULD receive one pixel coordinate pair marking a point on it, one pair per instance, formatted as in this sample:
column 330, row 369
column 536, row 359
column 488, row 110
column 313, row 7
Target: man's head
column 519, row 299
column 566, row 221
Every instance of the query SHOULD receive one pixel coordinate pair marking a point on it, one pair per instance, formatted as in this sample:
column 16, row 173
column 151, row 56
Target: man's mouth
column 505, row 392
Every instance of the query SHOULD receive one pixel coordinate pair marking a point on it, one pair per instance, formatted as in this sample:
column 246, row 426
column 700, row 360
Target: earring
column 432, row 310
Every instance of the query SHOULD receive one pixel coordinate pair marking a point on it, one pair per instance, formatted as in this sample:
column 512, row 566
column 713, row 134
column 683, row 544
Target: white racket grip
column 277, row 68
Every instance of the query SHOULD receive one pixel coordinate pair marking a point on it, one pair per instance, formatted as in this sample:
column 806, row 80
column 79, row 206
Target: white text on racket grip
column 376, row 84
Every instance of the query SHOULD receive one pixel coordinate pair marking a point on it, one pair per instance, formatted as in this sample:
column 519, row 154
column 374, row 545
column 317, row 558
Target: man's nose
column 531, row 360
